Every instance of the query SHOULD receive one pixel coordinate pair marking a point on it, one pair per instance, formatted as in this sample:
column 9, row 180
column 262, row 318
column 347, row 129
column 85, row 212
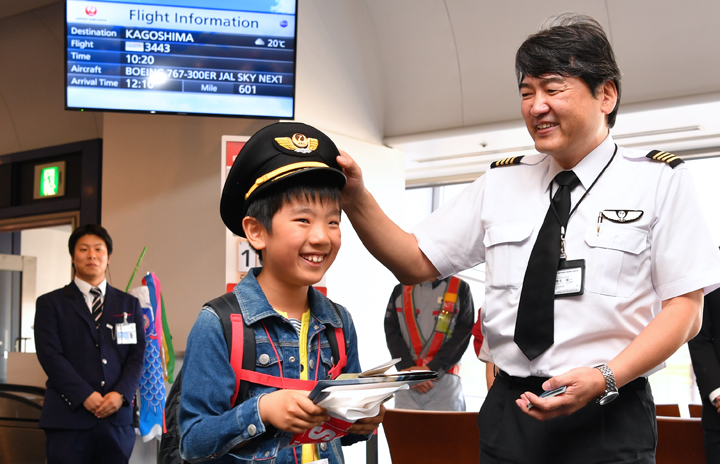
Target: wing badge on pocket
column 622, row 215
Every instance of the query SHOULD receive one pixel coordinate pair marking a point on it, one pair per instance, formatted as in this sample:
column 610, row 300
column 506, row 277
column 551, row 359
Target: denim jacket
column 209, row 426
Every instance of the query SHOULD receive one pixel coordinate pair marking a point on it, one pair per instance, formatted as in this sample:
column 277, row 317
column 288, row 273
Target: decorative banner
column 159, row 358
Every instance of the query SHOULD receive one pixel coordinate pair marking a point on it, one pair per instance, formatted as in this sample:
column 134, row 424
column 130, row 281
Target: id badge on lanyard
column 126, row 332
column 570, row 279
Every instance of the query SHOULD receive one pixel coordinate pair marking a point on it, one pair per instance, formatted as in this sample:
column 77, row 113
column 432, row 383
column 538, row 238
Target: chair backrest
column 669, row 410
column 695, row 410
column 680, row 441
column 432, row 437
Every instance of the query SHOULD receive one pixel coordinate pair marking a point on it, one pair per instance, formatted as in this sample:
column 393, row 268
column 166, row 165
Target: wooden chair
column 432, row 437
column 695, row 410
column 669, row 410
column 680, row 441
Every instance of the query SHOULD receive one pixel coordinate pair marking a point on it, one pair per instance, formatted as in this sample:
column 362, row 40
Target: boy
column 283, row 195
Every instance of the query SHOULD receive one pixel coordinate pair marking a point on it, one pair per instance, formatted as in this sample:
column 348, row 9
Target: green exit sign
column 49, row 180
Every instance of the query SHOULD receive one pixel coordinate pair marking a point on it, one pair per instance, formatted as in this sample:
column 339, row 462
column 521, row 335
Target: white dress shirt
column 85, row 290
column 630, row 267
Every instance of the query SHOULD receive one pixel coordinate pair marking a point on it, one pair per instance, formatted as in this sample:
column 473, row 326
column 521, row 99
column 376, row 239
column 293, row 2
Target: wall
column 32, row 67
column 338, row 72
column 356, row 279
column 50, row 246
column 161, row 189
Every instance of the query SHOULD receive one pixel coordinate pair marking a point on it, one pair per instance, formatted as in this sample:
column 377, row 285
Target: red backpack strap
column 276, row 382
column 242, row 374
column 236, row 354
column 342, row 355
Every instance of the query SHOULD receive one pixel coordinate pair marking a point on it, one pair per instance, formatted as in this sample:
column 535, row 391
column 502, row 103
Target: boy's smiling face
column 304, row 242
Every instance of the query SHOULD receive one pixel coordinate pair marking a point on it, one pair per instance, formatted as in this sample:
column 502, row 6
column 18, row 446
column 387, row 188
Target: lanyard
column 317, row 366
column 557, row 216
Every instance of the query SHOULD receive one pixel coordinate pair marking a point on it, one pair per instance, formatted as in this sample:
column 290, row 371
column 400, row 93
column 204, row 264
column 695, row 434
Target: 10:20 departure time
column 140, row 59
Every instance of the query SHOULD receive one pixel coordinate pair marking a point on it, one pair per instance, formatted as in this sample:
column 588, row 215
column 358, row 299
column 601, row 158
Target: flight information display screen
column 203, row 57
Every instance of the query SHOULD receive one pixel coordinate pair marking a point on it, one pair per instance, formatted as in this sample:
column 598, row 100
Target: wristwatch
column 611, row 391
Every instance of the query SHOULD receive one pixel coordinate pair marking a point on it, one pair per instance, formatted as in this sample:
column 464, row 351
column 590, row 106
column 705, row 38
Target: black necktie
column 534, row 327
column 97, row 305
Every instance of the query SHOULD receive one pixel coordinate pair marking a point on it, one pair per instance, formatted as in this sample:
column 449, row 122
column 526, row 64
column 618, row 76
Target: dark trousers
column 103, row 444
column 623, row 431
column 712, row 446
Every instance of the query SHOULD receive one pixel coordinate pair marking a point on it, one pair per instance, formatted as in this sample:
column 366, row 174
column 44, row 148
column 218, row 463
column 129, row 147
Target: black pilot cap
column 274, row 154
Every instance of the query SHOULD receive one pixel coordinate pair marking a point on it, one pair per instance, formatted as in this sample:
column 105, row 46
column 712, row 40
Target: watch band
column 611, row 391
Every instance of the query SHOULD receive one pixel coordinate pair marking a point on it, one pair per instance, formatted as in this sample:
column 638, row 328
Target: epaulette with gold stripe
column 507, row 161
column 668, row 158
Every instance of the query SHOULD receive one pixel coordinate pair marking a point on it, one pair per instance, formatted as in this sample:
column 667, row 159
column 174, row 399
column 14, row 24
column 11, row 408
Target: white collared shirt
column 85, row 290
column 630, row 267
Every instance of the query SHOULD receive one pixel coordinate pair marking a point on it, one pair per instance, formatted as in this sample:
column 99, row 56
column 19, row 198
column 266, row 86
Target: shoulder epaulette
column 666, row 157
column 507, row 161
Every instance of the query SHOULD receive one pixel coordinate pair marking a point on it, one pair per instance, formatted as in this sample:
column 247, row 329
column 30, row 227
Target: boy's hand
column 291, row 411
column 369, row 424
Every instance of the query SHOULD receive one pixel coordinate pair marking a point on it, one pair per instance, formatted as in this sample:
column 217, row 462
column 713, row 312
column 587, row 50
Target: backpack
column 241, row 350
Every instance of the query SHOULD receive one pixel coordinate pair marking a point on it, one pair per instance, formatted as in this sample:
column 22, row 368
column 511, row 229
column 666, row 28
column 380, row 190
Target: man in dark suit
column 705, row 354
column 91, row 343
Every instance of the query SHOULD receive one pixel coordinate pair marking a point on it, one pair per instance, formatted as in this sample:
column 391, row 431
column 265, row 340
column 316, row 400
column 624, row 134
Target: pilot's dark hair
column 571, row 45
column 90, row 229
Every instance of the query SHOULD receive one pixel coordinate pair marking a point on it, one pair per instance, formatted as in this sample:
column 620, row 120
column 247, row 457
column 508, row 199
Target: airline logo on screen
column 276, row 21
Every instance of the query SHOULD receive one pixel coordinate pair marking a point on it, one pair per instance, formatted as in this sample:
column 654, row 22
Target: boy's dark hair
column 306, row 188
column 90, row 229
column 571, row 45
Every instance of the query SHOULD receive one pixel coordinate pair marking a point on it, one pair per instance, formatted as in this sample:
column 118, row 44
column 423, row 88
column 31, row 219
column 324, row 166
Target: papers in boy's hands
column 381, row 369
column 352, row 397
column 356, row 396
column 354, row 402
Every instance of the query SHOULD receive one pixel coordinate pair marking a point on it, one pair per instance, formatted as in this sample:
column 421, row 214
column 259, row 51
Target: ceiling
column 451, row 96
column 448, row 73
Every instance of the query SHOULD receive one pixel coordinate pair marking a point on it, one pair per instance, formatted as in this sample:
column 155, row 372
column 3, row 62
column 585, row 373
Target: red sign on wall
column 231, row 151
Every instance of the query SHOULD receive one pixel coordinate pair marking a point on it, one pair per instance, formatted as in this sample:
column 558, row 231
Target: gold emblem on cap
column 299, row 143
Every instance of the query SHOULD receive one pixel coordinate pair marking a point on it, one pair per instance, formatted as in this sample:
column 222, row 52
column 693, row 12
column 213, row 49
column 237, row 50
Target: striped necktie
column 97, row 304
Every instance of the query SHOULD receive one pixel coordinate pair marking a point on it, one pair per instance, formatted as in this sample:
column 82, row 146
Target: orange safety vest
column 425, row 351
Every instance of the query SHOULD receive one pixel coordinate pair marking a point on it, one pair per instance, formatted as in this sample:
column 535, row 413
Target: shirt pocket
column 506, row 252
column 266, row 362
column 614, row 258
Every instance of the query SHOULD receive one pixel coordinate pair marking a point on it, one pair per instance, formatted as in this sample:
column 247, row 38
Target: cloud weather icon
column 259, row 42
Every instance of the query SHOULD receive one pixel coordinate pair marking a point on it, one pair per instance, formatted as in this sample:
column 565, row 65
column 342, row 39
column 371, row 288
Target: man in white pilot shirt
column 634, row 225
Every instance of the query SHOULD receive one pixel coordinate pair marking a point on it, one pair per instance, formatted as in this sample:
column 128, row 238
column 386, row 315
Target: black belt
column 534, row 384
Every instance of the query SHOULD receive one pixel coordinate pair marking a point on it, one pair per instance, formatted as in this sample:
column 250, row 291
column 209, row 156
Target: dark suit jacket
column 705, row 354
column 80, row 359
